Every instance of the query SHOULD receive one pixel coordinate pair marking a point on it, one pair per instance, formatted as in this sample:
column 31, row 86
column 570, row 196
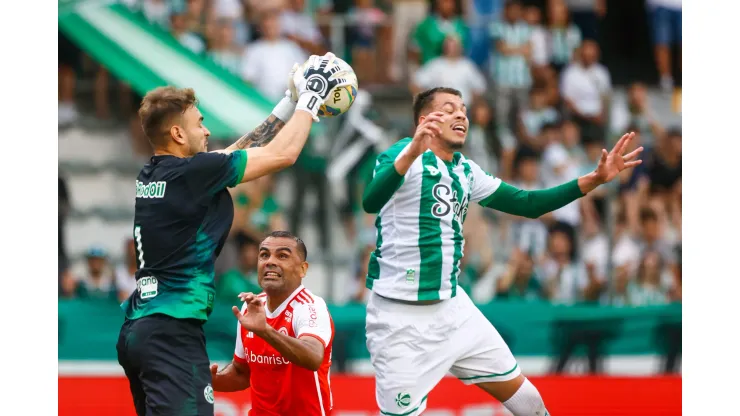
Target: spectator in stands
column 96, row 281
column 197, row 18
column 268, row 75
column 586, row 86
column 666, row 26
column 537, row 115
column 539, row 58
column 242, row 278
column 126, row 272
column 156, row 12
column 566, row 279
column 491, row 154
column 563, row 37
column 652, row 284
column 365, row 19
column 69, row 65
column 298, row 26
column 181, row 32
column 511, row 73
column 529, row 235
column 518, row 280
column 560, row 165
column 224, row 50
column 586, row 15
column 593, row 205
column 232, row 11
column 452, row 69
column 653, row 239
column 641, row 114
column 429, row 37
column 406, row 15
column 663, row 168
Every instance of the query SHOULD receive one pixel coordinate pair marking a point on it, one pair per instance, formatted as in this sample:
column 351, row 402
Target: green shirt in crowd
column 430, row 35
column 233, row 282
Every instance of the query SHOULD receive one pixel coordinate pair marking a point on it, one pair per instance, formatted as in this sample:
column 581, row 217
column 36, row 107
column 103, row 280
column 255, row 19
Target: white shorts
column 412, row 347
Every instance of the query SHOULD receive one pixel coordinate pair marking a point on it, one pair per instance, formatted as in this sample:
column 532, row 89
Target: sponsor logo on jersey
column 288, row 316
column 403, row 399
column 265, row 359
column 208, row 393
column 448, row 200
column 312, row 316
column 410, row 276
column 147, row 287
column 150, row 190
column 250, row 334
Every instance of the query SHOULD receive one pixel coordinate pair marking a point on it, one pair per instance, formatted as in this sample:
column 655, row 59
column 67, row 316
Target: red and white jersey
column 279, row 387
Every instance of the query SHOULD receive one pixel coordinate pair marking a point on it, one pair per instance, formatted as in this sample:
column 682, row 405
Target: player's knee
column 526, row 401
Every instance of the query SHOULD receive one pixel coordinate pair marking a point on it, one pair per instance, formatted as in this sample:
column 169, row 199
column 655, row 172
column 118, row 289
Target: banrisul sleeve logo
column 403, row 399
column 150, row 190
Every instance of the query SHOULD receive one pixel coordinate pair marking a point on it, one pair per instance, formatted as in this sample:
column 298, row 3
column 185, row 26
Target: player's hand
column 425, row 131
column 291, row 92
column 315, row 83
column 254, row 320
column 214, row 369
column 614, row 162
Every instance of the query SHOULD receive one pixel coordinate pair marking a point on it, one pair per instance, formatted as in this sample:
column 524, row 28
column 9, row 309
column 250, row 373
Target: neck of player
column 276, row 298
column 442, row 150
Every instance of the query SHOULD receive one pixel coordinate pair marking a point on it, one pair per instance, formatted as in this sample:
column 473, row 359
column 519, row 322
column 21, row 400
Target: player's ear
column 177, row 134
column 304, row 269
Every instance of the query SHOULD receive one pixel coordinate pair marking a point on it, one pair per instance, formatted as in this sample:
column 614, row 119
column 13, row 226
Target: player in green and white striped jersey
column 420, row 323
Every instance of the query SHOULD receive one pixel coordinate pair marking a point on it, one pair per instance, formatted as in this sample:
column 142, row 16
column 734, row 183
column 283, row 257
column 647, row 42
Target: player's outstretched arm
column 234, row 377
column 533, row 204
column 393, row 164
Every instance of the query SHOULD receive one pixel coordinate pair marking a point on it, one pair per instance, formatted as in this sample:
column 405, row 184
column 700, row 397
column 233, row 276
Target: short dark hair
column 424, row 98
column 159, row 108
column 287, row 234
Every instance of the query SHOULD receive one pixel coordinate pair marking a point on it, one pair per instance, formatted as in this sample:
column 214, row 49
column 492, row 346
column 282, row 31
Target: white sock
column 526, row 401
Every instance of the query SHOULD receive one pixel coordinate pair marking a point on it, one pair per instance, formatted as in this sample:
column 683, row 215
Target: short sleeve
column 209, row 173
column 312, row 319
column 484, row 184
column 239, row 348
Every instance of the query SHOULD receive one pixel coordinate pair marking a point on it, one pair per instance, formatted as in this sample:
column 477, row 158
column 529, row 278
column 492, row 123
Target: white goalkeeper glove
column 286, row 107
column 316, row 82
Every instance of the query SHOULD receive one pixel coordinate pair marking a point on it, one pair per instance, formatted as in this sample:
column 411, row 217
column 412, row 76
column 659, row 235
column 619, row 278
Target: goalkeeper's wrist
column 309, row 102
column 284, row 109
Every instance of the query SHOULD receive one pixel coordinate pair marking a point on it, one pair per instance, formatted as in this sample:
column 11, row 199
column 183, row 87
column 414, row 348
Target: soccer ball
column 341, row 98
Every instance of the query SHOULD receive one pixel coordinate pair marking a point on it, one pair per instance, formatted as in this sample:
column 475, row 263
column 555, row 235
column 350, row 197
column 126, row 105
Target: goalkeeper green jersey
column 420, row 219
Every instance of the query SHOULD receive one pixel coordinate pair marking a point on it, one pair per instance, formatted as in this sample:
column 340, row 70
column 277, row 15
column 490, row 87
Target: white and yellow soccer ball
column 341, row 98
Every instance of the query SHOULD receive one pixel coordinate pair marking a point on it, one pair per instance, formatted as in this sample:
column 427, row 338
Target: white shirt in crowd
column 270, row 75
column 585, row 87
column 460, row 73
column 300, row 25
column 125, row 281
column 558, row 168
column 228, row 9
column 571, row 280
column 539, row 46
column 626, row 252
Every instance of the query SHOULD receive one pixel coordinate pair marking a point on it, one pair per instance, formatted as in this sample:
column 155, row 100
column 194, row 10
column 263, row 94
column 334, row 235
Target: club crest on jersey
column 283, row 331
column 208, row 393
column 403, row 399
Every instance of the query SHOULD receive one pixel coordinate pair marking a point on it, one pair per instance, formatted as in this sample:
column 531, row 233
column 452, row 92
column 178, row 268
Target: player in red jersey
column 283, row 338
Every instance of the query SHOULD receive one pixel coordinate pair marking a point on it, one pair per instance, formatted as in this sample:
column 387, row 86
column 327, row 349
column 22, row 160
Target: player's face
column 195, row 133
column 280, row 267
column 455, row 125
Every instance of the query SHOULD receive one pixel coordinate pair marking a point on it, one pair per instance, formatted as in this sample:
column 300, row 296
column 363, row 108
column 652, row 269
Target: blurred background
column 592, row 289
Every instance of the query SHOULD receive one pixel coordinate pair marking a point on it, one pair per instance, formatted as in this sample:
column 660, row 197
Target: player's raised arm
column 393, row 164
column 313, row 87
column 533, row 204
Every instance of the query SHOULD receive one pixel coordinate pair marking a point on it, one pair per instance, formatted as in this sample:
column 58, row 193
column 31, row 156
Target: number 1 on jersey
column 139, row 248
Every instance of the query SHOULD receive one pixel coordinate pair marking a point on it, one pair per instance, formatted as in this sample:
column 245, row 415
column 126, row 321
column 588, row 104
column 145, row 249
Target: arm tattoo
column 263, row 134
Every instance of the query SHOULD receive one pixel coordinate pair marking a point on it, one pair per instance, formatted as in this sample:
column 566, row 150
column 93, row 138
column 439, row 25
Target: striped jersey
column 420, row 241
column 511, row 71
column 279, row 387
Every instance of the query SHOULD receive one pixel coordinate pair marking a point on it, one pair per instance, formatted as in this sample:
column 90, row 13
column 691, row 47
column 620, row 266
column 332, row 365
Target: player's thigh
column 175, row 373
column 486, row 356
column 131, row 368
column 409, row 352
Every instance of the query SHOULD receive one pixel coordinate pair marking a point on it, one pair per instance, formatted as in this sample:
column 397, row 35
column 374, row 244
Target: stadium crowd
column 539, row 108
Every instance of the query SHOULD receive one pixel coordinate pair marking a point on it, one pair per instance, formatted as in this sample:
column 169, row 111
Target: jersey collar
column 281, row 308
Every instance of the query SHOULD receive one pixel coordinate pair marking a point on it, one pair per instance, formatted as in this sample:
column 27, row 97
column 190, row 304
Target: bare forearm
column 231, row 378
column 298, row 351
column 261, row 136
